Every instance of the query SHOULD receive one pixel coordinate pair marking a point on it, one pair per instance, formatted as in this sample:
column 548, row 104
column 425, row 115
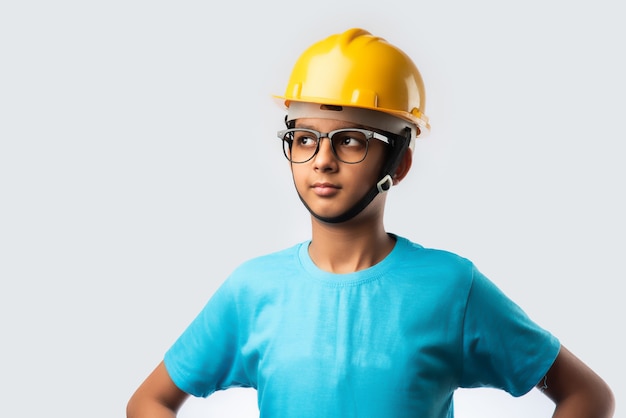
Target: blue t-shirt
column 394, row 340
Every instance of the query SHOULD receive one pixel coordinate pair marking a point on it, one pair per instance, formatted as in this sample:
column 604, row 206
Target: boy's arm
column 156, row 397
column 576, row 389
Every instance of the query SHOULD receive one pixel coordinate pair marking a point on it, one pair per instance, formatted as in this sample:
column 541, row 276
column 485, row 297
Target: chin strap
column 399, row 145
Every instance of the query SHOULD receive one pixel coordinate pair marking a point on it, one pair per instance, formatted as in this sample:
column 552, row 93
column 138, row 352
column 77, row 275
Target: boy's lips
column 325, row 189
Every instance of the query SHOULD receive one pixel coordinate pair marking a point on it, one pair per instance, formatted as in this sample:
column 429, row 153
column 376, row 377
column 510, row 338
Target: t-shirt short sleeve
column 206, row 358
column 502, row 346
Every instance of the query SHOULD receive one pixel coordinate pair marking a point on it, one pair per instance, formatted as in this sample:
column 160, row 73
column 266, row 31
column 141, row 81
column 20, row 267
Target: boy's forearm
column 148, row 409
column 603, row 406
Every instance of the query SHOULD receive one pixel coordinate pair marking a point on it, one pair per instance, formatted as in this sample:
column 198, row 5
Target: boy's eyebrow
column 303, row 125
column 348, row 125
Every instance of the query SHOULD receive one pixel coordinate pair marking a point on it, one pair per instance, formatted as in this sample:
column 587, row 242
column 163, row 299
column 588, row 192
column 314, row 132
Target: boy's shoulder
column 414, row 252
column 272, row 260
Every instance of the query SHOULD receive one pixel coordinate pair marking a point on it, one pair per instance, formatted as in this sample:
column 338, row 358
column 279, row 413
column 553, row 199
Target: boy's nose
column 325, row 157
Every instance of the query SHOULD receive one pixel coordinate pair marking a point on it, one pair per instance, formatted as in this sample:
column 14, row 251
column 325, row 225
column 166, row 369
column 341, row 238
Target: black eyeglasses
column 349, row 145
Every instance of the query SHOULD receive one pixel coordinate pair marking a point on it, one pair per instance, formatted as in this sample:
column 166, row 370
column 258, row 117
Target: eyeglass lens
column 349, row 146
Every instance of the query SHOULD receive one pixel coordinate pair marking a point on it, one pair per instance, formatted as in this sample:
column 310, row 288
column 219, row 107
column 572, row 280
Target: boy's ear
column 403, row 167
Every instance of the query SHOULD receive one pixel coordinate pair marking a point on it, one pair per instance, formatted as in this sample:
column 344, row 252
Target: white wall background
column 139, row 166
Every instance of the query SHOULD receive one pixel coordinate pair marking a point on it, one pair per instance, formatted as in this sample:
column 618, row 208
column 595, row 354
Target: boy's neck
column 349, row 247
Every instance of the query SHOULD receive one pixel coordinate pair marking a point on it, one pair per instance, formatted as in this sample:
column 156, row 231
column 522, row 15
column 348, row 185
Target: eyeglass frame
column 369, row 134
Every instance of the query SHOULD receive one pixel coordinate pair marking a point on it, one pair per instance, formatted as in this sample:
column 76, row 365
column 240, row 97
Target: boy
column 358, row 322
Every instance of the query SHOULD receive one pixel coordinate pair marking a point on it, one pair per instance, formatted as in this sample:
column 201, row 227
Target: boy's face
column 328, row 186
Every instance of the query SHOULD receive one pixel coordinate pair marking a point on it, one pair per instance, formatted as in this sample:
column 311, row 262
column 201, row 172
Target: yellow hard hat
column 360, row 70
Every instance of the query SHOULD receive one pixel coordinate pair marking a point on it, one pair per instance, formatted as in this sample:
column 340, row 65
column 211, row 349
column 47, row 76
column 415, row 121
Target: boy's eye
column 347, row 141
column 350, row 139
column 304, row 140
